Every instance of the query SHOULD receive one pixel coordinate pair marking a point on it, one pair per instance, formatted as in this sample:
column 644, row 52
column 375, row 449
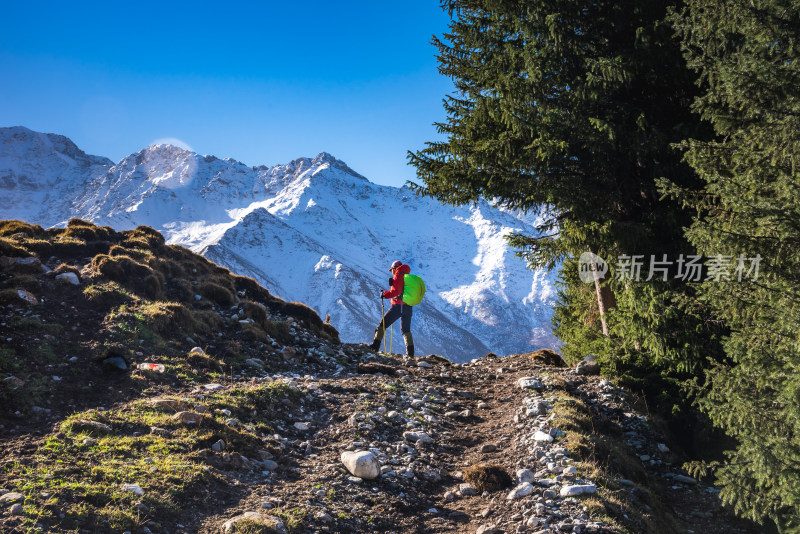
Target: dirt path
column 475, row 415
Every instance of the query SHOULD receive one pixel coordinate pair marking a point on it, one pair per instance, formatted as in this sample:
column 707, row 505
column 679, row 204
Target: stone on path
column 11, row 497
column 542, row 436
column 414, row 437
column 361, row 464
column 578, row 489
column 467, row 490
column 530, row 382
column 525, row 475
column 588, row 366
column 69, row 278
column 269, row 521
column 523, row 490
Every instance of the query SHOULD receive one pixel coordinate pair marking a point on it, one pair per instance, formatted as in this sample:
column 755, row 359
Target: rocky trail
column 146, row 390
column 427, row 422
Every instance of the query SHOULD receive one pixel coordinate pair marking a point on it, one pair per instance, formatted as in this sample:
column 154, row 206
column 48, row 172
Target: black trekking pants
column 399, row 311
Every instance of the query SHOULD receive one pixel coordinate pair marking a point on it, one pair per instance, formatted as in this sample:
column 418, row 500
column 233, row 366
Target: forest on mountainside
column 660, row 137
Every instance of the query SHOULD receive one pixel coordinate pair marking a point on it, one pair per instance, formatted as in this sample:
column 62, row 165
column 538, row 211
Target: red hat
column 396, row 264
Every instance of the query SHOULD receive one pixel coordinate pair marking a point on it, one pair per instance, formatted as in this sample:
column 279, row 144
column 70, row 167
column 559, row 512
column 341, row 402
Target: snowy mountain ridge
column 312, row 230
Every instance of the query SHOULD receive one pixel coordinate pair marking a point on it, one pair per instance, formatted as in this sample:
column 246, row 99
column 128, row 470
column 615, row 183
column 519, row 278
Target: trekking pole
column 383, row 324
column 391, row 339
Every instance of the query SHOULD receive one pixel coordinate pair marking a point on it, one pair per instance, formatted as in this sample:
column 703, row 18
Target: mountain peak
column 27, row 139
column 324, row 157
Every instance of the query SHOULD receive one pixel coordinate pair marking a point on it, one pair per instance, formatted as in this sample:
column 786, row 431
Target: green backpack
column 413, row 289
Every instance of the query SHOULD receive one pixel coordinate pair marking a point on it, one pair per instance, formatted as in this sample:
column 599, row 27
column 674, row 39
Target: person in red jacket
column 398, row 310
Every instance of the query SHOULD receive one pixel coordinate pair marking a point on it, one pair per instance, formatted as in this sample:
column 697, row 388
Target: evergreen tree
column 747, row 53
column 574, row 105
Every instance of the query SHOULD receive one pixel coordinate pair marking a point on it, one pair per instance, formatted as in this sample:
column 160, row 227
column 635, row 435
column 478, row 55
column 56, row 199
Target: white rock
column 542, row 436
column 272, row 522
column 133, row 488
column 323, row 517
column 578, row 489
column 523, row 490
column 532, row 521
column 11, row 497
column 69, row 278
column 529, row 382
column 467, row 490
column 301, row 426
column 414, row 437
column 588, row 366
column 525, row 475
column 362, row 464
column 663, row 449
column 424, row 365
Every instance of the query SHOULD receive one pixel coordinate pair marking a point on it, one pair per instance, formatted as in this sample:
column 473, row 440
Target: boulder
column 588, row 366
column 361, row 464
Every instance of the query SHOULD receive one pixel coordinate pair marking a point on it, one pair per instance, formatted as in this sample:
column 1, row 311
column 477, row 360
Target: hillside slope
column 146, row 389
column 312, row 230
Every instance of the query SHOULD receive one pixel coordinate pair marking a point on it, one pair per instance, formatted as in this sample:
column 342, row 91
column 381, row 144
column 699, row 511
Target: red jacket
column 397, row 285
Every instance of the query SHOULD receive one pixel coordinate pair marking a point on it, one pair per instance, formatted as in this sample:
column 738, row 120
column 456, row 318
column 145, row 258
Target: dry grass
column 216, row 293
column 488, row 478
column 548, row 357
column 10, row 247
column 9, row 228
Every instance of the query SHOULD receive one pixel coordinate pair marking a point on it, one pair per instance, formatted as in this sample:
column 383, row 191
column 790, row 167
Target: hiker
column 398, row 310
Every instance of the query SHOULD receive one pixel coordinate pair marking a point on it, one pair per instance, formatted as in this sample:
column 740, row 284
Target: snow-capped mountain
column 312, row 231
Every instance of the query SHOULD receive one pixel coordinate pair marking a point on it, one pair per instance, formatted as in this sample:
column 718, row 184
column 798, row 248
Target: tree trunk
column 605, row 297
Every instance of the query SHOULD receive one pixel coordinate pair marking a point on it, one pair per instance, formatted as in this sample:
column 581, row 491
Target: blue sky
column 261, row 82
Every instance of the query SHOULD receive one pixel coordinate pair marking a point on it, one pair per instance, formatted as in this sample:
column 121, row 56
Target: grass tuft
column 488, row 478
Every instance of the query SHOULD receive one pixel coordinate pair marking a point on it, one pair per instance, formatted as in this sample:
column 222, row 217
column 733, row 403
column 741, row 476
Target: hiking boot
column 409, row 340
column 376, row 343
